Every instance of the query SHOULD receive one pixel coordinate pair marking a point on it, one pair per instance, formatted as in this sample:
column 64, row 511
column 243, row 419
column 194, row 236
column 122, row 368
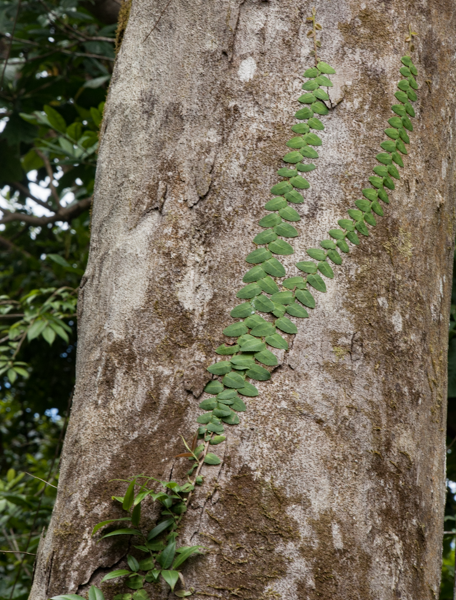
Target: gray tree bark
column 333, row 485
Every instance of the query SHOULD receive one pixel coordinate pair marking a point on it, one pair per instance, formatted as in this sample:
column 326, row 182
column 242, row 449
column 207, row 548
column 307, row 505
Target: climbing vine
column 262, row 319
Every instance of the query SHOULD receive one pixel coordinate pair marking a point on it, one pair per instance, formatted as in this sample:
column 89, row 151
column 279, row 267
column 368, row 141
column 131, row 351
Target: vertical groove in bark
column 333, row 484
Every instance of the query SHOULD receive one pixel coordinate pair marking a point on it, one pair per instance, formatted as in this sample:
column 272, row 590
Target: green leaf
column 308, row 152
column 353, row 238
column 401, row 96
column 232, row 419
column 300, row 183
column 384, row 158
column 266, row 357
column 307, row 266
column 213, row 387
column 183, row 556
column 388, row 145
column 377, row 209
column 293, row 282
column 346, row 224
column 251, row 344
column 295, row 142
column 294, row 197
column 263, row 329
column 114, row 574
column 258, row 373
column 279, row 310
column 212, row 459
column 320, row 108
column 265, row 237
column 392, row 133
column 152, row 575
column 254, row 274
column 363, row 205
column 126, row 531
column 276, row 203
column 95, row 593
column 220, row 368
column 316, row 253
column 249, row 291
column 236, row 328
column 401, row 147
column 308, row 98
column 324, row 268
column 289, row 214
column 135, row 583
column 49, row 335
column 304, row 113
column 284, row 324
column 306, row 298
column 306, row 168
column 312, row 72
column 55, row 119
column 388, row 182
column 324, row 81
column 321, row 95
column 395, row 122
column 283, row 298
column 248, row 390
column 313, row 139
column 208, row 404
column 337, row 234
column 259, row 255
column 316, row 282
column 281, row 247
column 328, row 244
column 242, row 361
column 243, row 310
column 404, row 71
column 133, row 563
column 254, row 320
column 268, row 285
column 335, row 257
column 409, row 108
column 281, row 188
column 413, row 97
column 263, row 304
column 274, row 268
column 217, row 439
column 284, row 172
column 286, row 230
column 233, row 380
column 361, row 227
column 325, row 68
column 215, row 428
column 310, row 86
column 398, row 109
column 160, row 528
column 407, row 123
column 141, row 595
column 397, row 159
column 238, row 403
column 299, row 128
column 403, row 85
column 166, row 557
column 227, row 394
column 413, row 70
column 392, row 170
column 378, row 181
column 315, row 123
column 277, row 341
column 36, row 329
column 171, row 577
column 98, row 526
column 129, row 496
column 270, row 220
column 296, row 310
column 382, row 171
column 292, row 157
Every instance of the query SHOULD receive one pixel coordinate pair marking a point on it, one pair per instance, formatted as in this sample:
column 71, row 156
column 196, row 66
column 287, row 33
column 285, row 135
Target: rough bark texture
column 333, row 483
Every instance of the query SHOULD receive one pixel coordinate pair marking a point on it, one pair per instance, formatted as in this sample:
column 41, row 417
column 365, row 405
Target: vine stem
column 314, row 29
column 198, row 470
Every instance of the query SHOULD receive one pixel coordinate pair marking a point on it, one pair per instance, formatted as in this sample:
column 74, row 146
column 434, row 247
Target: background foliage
column 57, row 58
column 54, row 83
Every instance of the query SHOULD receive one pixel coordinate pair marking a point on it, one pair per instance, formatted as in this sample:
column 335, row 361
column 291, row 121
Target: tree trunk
column 333, row 483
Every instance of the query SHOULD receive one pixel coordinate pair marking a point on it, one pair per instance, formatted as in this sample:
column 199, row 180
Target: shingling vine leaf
column 247, row 354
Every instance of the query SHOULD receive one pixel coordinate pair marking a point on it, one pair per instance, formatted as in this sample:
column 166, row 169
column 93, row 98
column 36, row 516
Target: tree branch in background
column 50, row 173
column 66, row 214
column 24, row 190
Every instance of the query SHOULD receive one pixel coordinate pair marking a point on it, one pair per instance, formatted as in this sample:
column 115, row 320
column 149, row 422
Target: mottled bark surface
column 332, row 486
